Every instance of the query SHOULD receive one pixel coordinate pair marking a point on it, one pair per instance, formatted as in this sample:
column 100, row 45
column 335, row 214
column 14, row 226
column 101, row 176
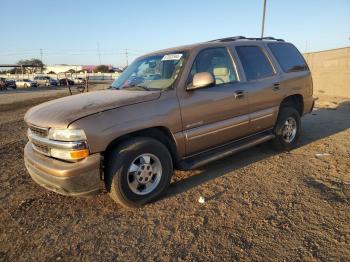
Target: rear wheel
column 287, row 129
column 138, row 171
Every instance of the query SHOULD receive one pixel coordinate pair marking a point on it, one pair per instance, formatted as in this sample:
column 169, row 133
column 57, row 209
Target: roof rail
column 272, row 38
column 235, row 38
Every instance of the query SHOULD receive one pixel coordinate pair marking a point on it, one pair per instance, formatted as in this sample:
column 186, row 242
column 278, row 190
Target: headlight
column 67, row 134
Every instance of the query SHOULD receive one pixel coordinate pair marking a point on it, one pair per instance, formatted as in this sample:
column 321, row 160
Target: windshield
column 156, row 72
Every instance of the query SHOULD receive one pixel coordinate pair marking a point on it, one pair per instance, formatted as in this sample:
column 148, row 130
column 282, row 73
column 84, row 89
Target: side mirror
column 201, row 80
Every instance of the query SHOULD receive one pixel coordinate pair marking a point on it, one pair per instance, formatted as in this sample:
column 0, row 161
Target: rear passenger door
column 262, row 84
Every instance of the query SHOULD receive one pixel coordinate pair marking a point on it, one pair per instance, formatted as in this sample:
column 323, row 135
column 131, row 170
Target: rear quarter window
column 288, row 56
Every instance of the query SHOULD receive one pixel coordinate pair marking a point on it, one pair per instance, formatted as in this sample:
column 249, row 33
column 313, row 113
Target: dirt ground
column 259, row 204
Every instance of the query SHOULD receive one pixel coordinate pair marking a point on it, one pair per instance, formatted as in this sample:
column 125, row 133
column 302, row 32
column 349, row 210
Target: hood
column 63, row 111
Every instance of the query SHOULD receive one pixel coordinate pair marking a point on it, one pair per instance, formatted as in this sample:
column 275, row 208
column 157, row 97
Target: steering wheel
column 219, row 80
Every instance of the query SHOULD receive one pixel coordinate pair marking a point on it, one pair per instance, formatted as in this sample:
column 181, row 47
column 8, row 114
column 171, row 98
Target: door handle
column 238, row 94
column 276, row 86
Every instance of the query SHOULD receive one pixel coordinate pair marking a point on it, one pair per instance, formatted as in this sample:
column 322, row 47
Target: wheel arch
column 160, row 133
column 296, row 101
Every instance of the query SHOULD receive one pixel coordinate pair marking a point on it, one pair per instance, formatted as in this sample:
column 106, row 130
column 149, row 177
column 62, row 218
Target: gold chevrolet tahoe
column 178, row 108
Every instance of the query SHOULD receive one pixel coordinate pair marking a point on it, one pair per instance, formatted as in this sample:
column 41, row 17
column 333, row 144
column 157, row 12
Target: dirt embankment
column 259, row 205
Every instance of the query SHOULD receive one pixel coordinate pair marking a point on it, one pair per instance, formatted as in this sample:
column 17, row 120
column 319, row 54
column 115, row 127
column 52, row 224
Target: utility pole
column 263, row 20
column 41, row 54
column 99, row 53
column 41, row 59
column 127, row 57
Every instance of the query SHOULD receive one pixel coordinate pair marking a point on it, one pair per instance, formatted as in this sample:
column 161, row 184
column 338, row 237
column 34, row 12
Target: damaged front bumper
column 80, row 178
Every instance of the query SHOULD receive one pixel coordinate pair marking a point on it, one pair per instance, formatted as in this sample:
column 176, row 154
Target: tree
column 102, row 69
column 35, row 65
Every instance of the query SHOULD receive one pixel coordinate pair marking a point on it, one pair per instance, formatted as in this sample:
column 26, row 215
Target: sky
column 99, row 32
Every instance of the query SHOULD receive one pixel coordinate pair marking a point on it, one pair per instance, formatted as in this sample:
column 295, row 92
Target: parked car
column 11, row 83
column 53, row 82
column 2, row 83
column 45, row 81
column 179, row 108
column 63, row 82
column 79, row 80
column 26, row 83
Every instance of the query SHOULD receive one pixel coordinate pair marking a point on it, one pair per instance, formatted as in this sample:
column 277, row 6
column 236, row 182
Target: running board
column 201, row 159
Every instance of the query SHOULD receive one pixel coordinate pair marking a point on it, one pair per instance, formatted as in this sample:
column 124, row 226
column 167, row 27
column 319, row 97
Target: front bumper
column 73, row 179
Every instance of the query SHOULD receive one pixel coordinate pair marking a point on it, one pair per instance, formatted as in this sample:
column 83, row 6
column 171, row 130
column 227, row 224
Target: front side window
column 254, row 62
column 288, row 57
column 216, row 61
column 156, row 72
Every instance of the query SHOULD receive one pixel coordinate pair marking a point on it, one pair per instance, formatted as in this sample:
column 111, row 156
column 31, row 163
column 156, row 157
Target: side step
column 224, row 151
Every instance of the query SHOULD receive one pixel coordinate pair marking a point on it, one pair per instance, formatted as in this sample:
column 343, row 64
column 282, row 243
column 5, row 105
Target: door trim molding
column 216, row 127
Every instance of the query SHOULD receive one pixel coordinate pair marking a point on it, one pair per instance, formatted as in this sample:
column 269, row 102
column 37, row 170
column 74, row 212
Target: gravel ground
column 259, row 204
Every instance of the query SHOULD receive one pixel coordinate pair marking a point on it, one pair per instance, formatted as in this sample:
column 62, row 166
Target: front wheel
column 138, row 171
column 287, row 129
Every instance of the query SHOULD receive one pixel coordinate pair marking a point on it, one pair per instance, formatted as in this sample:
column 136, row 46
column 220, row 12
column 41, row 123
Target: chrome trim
column 261, row 117
column 34, row 129
column 40, row 150
column 57, row 144
column 194, row 124
column 216, row 130
column 264, row 113
column 39, row 127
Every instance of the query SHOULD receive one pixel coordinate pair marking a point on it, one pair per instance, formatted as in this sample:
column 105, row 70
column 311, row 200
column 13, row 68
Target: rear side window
column 254, row 62
column 288, row 57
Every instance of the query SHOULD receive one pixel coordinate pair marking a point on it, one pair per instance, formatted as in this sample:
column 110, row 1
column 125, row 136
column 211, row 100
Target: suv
column 45, row 81
column 178, row 108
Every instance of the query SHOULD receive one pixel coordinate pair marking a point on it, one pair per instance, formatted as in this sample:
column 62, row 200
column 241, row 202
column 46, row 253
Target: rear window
column 254, row 62
column 288, row 57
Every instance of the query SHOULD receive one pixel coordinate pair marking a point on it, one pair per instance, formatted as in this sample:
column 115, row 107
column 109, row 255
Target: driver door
column 217, row 114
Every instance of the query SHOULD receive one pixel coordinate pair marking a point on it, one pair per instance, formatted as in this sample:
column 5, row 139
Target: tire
column 127, row 165
column 286, row 138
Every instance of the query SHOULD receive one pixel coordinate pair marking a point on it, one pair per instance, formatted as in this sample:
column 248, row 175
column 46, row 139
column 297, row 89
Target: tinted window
column 216, row 61
column 288, row 57
column 254, row 62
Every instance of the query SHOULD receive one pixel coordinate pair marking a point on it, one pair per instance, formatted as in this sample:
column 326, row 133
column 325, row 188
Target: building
column 67, row 68
column 62, row 68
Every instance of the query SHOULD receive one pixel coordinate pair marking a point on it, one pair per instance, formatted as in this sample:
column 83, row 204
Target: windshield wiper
column 143, row 87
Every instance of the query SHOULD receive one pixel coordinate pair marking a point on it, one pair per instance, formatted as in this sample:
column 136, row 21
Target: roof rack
column 235, row 38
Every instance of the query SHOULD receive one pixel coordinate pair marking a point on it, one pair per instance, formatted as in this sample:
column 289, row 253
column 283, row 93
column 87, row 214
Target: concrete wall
column 330, row 71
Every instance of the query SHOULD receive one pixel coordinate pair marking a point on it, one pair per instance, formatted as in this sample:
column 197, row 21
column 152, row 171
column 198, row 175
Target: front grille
column 43, row 149
column 39, row 131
